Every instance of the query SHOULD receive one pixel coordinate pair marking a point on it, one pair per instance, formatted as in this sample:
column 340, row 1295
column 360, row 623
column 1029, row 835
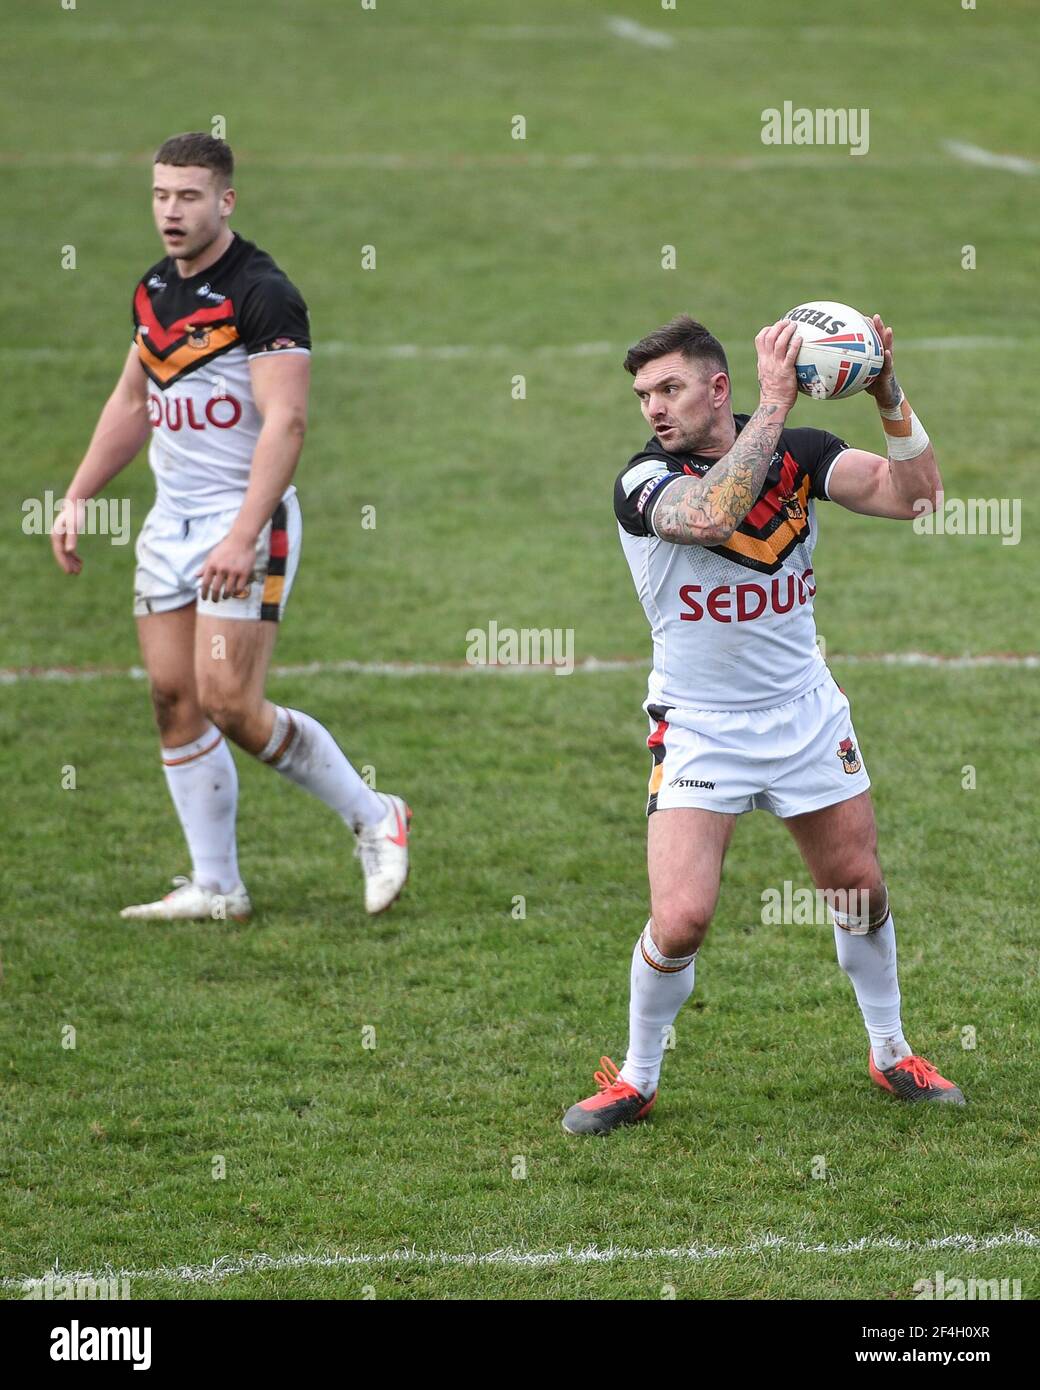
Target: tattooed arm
column 707, row 510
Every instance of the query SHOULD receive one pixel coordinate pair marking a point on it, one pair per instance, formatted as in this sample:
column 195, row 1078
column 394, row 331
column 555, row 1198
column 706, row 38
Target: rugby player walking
column 716, row 516
column 218, row 375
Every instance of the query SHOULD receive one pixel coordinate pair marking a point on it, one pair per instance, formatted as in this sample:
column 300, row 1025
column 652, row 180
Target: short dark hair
column 684, row 335
column 197, row 148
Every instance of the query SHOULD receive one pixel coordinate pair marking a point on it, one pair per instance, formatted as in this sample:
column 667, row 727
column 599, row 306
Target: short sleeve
column 816, row 451
column 636, row 492
column 273, row 317
column 135, row 320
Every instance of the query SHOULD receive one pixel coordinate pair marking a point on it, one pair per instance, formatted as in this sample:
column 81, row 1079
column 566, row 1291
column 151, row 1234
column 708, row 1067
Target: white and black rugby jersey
column 732, row 624
column 195, row 337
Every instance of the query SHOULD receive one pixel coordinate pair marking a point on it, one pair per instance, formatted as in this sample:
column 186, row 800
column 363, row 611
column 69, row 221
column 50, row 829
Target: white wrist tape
column 906, row 435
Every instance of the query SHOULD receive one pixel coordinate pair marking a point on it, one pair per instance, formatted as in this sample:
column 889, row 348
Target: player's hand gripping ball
column 841, row 352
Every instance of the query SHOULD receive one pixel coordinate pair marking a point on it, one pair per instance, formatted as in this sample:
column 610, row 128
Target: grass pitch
column 392, row 128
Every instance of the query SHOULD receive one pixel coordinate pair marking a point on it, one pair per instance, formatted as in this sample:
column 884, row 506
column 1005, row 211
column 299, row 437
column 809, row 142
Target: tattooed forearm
column 706, row 511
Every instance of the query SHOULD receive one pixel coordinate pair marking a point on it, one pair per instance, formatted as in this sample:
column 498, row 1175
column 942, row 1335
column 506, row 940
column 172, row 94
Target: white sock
column 203, row 782
column 304, row 751
column 870, row 963
column 660, row 986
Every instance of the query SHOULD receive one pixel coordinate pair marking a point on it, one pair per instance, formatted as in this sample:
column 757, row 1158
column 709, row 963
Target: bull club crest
column 197, row 337
column 848, row 755
column 792, row 507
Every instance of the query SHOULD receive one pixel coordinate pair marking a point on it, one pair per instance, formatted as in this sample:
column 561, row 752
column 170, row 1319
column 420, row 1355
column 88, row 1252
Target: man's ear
column 719, row 389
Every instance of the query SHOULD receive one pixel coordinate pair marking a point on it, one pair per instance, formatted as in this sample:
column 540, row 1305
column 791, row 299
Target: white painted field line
column 392, row 352
column 602, row 347
column 590, row 666
column 616, row 26
column 986, row 159
column 956, row 663
column 965, row 343
column 450, row 352
column 518, row 160
column 640, row 34
column 517, row 1257
column 101, row 31
column 512, row 161
column 447, row 352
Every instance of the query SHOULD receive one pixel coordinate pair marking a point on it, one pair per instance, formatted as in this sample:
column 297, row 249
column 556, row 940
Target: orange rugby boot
column 915, row 1079
column 616, row 1103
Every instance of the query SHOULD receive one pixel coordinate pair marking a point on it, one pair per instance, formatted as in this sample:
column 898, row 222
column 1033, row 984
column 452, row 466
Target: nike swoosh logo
column 401, row 838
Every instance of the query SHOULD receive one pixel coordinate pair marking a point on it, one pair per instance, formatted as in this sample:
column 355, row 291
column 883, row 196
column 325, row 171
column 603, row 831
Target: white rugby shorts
column 793, row 758
column 171, row 550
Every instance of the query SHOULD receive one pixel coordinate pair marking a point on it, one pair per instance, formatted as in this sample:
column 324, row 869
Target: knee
column 220, row 702
column 679, row 925
column 174, row 709
column 224, row 710
column 861, row 909
column 232, row 713
column 855, row 876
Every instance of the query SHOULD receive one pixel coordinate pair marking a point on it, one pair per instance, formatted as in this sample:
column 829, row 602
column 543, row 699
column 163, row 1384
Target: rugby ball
column 841, row 351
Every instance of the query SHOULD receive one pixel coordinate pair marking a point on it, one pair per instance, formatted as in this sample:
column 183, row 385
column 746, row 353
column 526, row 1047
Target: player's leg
column 839, row 846
column 230, row 660
column 199, row 770
column 232, row 656
column 234, row 641
column 821, row 791
column 167, row 643
column 686, row 847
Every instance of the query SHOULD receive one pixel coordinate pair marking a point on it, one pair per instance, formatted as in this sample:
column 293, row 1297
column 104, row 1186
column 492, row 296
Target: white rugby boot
column 190, row 902
column 383, row 851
